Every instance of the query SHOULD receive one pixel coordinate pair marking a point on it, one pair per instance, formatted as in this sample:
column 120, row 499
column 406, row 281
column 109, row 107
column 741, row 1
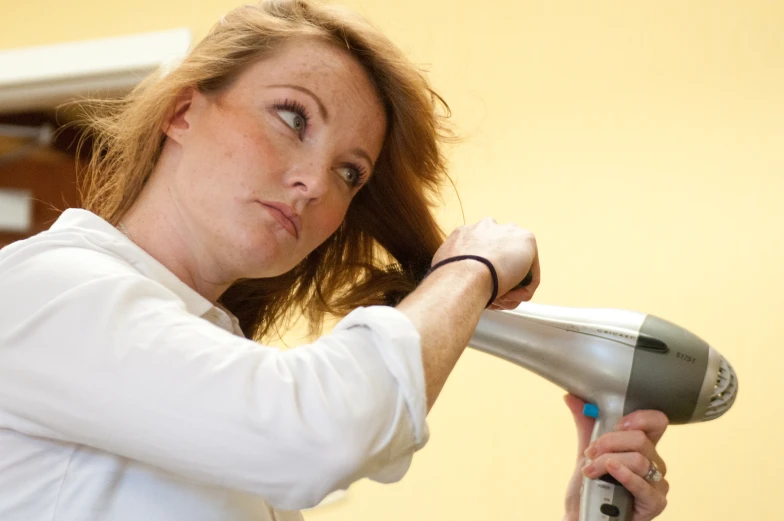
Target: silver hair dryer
column 618, row 361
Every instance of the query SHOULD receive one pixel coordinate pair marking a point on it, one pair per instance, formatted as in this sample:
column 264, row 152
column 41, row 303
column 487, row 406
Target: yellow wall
column 643, row 143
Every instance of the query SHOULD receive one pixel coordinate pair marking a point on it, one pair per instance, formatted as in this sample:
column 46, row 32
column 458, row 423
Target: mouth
column 285, row 215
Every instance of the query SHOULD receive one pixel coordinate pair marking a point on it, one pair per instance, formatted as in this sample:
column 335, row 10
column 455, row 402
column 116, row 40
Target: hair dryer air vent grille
column 724, row 393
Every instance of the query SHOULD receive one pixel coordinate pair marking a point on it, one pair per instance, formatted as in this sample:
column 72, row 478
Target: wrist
column 469, row 278
column 474, row 269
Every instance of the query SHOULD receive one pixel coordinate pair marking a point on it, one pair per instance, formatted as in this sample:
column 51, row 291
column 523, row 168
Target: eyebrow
column 322, row 108
column 361, row 153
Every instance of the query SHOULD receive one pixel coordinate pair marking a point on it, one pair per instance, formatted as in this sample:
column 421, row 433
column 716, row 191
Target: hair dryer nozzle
column 724, row 392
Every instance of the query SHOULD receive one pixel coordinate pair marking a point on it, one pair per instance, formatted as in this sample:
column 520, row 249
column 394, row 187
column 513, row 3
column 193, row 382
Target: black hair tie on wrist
column 472, row 257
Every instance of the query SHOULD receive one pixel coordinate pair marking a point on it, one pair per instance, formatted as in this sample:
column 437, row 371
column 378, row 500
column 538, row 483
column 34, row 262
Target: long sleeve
column 96, row 354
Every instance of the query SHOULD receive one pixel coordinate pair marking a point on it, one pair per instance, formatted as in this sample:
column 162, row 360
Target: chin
column 260, row 255
column 263, row 266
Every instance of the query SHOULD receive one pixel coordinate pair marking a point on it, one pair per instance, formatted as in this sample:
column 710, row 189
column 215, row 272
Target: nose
column 310, row 181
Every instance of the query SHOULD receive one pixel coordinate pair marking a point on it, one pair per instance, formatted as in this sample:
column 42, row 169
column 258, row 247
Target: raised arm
column 446, row 307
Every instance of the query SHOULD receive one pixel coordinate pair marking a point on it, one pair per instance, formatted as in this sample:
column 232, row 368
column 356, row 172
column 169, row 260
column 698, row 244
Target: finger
column 626, row 441
column 584, row 424
column 652, row 423
column 510, row 299
column 634, row 461
column 663, row 486
column 513, row 294
column 501, row 307
column 649, row 501
column 528, row 291
column 505, row 302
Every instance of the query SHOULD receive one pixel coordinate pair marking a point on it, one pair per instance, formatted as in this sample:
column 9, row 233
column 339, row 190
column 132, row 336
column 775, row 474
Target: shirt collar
column 113, row 240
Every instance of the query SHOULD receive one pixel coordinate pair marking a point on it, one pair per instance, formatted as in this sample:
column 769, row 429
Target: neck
column 158, row 226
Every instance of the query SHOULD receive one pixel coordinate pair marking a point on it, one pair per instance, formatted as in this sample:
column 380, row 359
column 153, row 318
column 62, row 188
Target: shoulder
column 58, row 255
column 84, row 263
column 68, row 265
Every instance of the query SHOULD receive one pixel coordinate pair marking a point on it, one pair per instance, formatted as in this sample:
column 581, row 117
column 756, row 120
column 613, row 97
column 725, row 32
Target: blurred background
column 642, row 142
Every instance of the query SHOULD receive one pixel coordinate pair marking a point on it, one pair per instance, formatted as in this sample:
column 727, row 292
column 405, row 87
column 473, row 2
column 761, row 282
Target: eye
column 294, row 114
column 353, row 175
column 292, row 119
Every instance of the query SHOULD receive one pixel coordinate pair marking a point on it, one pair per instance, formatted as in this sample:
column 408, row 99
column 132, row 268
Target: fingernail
column 590, row 452
column 589, row 471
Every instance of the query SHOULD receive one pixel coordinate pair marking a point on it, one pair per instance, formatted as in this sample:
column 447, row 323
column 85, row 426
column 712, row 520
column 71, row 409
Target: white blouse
column 126, row 396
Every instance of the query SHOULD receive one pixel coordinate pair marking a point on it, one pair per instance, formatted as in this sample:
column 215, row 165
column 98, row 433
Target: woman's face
column 266, row 171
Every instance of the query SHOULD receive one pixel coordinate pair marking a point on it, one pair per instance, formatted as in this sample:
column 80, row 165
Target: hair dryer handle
column 526, row 281
column 605, row 499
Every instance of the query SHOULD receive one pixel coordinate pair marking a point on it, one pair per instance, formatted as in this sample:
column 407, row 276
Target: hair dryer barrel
column 613, row 357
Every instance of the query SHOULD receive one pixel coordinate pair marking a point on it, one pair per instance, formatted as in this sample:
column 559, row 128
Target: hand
column 632, row 447
column 511, row 249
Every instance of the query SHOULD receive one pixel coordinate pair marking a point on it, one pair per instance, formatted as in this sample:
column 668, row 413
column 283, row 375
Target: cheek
column 231, row 140
column 251, row 149
column 330, row 220
column 214, row 153
column 325, row 222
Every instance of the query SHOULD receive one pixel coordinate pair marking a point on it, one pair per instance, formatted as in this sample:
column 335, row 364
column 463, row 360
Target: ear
column 179, row 118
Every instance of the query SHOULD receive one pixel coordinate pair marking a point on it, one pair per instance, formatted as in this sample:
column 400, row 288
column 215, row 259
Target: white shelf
column 42, row 77
column 16, row 210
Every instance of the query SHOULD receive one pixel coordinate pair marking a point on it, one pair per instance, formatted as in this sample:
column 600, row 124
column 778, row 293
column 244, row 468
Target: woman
column 287, row 164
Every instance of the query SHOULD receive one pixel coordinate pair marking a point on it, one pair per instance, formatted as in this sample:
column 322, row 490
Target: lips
column 285, row 215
